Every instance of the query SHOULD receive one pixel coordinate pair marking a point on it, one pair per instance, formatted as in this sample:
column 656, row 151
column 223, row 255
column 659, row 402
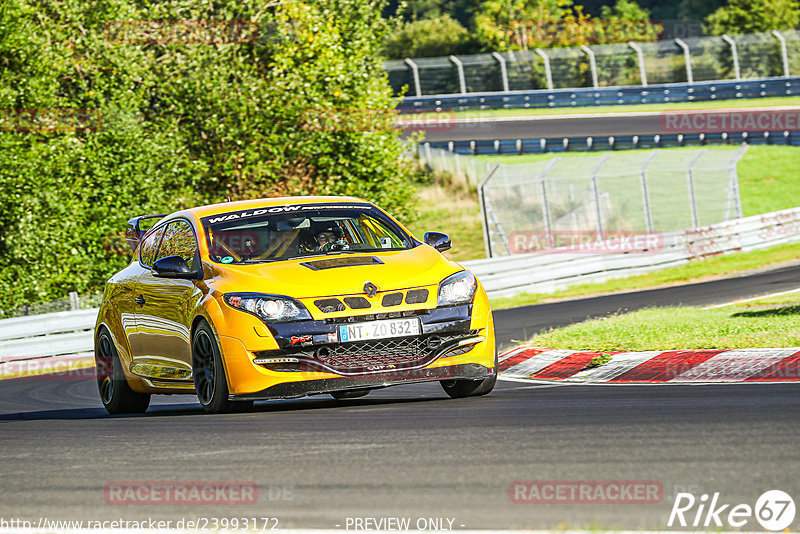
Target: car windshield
column 286, row 232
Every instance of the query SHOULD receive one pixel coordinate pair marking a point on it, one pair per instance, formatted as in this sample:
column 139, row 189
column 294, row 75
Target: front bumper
column 468, row 371
column 455, row 343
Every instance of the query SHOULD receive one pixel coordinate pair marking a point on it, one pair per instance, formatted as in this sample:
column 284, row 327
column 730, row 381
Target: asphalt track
column 410, row 452
column 447, row 128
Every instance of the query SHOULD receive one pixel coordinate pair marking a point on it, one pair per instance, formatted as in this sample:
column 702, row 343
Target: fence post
column 690, row 183
column 687, row 58
column 592, row 64
column 648, row 213
column 640, row 57
column 74, row 303
column 503, row 70
column 784, row 53
column 548, row 74
column 734, row 54
column 415, row 73
column 548, row 219
column 487, row 241
column 462, row 82
column 428, row 155
column 596, row 192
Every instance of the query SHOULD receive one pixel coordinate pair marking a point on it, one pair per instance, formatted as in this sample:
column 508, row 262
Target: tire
column 458, row 389
column 115, row 392
column 349, row 394
column 210, row 382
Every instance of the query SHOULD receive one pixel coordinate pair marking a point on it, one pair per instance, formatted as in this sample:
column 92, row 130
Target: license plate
column 379, row 329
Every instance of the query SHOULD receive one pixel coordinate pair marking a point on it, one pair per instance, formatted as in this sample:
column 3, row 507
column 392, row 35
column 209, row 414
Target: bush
column 439, row 36
column 105, row 118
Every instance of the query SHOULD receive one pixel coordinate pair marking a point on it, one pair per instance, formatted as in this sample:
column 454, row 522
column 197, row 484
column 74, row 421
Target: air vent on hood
column 345, row 261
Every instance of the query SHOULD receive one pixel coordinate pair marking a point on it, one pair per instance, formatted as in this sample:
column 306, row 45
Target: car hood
column 393, row 270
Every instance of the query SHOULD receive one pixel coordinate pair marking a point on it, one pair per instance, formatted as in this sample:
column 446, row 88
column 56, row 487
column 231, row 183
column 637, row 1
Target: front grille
column 363, row 357
column 330, row 305
column 392, row 299
column 357, row 303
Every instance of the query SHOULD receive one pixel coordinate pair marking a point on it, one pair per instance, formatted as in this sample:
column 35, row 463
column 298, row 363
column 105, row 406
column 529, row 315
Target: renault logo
column 370, row 289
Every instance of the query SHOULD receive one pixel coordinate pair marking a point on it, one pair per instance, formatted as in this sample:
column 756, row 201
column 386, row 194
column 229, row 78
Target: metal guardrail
column 53, row 334
column 49, row 334
column 491, row 147
column 606, row 96
column 547, row 272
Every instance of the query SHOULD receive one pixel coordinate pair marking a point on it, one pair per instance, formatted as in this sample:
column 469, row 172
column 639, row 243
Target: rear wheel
column 115, row 393
column 349, row 394
column 210, row 382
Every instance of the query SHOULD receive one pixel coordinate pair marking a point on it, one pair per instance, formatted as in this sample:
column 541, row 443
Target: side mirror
column 173, row 267
column 438, row 240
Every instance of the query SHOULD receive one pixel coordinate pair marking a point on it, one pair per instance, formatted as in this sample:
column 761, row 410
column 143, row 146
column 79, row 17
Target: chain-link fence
column 70, row 303
column 692, row 59
column 528, row 207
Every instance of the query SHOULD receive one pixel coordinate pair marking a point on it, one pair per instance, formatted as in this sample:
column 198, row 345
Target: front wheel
column 459, row 389
column 115, row 393
column 210, row 382
column 349, row 394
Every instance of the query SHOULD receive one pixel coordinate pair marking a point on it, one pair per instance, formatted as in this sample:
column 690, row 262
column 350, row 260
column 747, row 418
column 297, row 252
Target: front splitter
column 289, row 390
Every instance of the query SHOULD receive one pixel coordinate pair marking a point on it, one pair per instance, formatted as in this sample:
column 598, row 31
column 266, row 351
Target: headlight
column 457, row 289
column 268, row 308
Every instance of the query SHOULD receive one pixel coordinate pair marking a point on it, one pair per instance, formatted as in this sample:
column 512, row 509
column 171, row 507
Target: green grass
column 694, row 271
column 769, row 175
column 673, row 106
column 731, row 327
column 768, row 179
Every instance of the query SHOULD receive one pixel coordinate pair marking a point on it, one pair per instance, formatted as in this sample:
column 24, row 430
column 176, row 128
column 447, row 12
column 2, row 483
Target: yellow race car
column 287, row 297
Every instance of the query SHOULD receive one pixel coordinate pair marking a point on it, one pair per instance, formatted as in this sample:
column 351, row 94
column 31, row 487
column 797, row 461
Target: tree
column 751, row 16
column 440, row 36
column 117, row 108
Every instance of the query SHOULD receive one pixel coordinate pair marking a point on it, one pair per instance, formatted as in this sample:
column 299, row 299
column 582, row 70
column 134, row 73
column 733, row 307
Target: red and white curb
column 672, row 366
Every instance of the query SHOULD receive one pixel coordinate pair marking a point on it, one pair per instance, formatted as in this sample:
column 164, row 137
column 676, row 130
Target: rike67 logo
column 774, row 510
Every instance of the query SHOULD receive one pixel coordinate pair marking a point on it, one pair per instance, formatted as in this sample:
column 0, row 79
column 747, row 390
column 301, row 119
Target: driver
column 326, row 237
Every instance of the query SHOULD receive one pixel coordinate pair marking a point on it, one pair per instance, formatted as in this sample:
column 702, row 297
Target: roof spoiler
column 133, row 234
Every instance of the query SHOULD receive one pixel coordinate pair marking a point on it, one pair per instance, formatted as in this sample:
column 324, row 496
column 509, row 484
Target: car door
column 165, row 310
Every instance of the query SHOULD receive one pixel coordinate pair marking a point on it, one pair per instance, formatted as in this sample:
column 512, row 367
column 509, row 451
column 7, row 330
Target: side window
column 147, row 250
column 179, row 241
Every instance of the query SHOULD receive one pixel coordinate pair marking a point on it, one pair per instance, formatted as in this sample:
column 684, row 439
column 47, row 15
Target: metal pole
column 690, row 180
column 503, row 70
column 484, row 212
column 548, row 74
column 648, row 213
column 687, row 58
column 548, row 221
column 735, row 54
column 784, row 53
column 462, row 82
column 735, row 181
column 592, row 64
column 597, row 196
column 415, row 73
column 640, row 56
